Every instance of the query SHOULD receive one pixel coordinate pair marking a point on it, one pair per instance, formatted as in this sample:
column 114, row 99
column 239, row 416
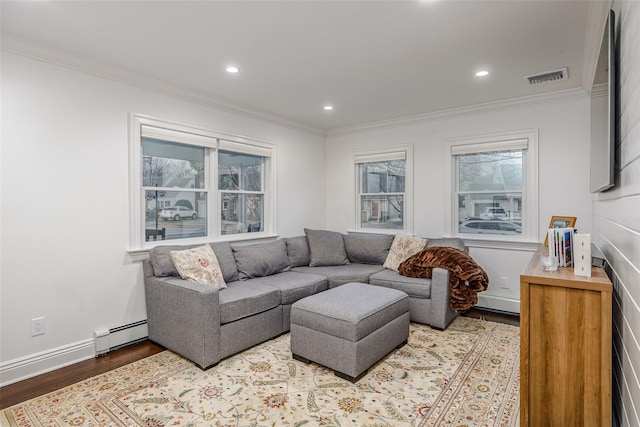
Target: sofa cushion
column 403, row 246
column 246, row 298
column 351, row 312
column 414, row 287
column 200, row 265
column 368, row 249
column 226, row 260
column 297, row 251
column 326, row 248
column 261, row 260
column 163, row 265
column 294, row 285
column 339, row 275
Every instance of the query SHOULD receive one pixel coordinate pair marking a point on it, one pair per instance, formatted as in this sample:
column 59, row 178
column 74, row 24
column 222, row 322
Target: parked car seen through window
column 177, row 213
column 489, row 226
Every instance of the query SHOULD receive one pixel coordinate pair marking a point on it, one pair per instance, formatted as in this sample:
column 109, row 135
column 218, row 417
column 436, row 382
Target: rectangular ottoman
column 349, row 328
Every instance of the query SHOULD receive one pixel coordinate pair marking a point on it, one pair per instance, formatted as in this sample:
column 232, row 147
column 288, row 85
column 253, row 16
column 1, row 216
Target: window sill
column 488, row 243
column 375, row 231
column 138, row 255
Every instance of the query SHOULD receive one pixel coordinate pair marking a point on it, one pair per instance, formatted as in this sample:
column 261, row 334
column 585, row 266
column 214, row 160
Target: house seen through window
column 175, row 196
column 241, row 192
column 381, row 191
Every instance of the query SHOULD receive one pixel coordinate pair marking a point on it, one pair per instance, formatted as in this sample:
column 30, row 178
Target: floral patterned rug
column 467, row 375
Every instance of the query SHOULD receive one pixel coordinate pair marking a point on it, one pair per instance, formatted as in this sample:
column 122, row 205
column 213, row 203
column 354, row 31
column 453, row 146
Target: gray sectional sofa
column 206, row 324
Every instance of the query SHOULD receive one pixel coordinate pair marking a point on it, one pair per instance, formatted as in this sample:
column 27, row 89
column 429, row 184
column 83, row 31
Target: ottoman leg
column 349, row 377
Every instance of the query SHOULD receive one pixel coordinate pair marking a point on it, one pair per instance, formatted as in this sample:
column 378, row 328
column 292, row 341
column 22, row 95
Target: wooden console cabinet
column 565, row 347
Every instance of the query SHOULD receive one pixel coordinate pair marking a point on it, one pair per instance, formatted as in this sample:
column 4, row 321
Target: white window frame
column 390, row 153
column 141, row 125
column 494, row 142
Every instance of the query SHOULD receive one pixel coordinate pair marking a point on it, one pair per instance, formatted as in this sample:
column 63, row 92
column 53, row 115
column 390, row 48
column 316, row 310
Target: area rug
column 467, row 375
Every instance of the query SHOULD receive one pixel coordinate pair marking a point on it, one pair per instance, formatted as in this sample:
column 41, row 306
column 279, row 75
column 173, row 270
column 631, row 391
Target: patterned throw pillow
column 403, row 246
column 199, row 265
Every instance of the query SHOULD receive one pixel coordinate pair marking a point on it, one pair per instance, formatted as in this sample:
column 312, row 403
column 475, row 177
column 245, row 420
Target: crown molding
column 23, row 47
column 566, row 95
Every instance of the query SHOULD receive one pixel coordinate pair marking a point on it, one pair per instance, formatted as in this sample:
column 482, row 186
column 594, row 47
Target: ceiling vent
column 547, row 76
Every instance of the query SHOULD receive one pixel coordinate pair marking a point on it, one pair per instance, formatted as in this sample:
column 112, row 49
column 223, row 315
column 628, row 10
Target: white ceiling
column 371, row 60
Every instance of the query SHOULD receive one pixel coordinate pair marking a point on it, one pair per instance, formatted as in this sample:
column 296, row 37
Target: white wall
column 616, row 223
column 562, row 120
column 64, row 230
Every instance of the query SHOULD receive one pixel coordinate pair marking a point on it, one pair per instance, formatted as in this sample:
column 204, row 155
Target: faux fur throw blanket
column 466, row 278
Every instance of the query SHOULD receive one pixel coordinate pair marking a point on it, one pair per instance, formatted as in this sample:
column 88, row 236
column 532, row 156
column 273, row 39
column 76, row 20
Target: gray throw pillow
column 163, row 265
column 226, row 260
column 160, row 258
column 298, row 251
column 326, row 248
column 261, row 260
column 368, row 249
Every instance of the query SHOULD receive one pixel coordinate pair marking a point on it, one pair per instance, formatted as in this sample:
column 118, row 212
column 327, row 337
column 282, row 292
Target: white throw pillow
column 403, row 246
column 199, row 265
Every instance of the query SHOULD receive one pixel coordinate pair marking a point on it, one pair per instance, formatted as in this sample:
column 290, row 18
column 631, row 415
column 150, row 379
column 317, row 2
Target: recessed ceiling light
column 328, row 107
column 232, row 69
column 482, row 73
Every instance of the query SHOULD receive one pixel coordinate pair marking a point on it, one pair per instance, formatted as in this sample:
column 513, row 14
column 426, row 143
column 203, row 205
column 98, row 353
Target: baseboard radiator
column 112, row 339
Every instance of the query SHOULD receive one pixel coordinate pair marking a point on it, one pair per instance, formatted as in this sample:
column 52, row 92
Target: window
column 192, row 185
column 489, row 191
column 242, row 196
column 494, row 186
column 382, row 194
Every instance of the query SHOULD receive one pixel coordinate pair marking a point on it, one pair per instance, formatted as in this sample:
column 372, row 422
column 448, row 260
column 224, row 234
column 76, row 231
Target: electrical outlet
column 37, row 326
column 504, row 282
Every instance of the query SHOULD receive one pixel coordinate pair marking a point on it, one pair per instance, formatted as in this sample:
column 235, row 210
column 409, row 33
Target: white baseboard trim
column 499, row 303
column 30, row 366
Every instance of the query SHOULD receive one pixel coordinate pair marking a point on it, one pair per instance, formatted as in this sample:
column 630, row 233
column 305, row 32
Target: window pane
column 237, row 171
column 242, row 213
column 169, row 164
column 493, row 171
column 384, row 212
column 382, row 177
column 179, row 214
column 496, row 213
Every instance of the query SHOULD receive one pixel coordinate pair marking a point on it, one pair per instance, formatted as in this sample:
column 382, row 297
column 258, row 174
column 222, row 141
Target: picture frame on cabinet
column 560, row 222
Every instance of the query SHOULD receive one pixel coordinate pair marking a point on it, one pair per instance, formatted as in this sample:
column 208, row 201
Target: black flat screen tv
column 603, row 112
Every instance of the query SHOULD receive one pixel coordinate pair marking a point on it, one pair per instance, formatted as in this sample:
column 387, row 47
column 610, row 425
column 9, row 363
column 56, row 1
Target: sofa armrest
column 442, row 315
column 184, row 317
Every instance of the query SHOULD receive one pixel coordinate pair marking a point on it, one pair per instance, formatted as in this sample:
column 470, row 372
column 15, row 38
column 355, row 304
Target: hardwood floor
column 28, row 389
column 46, row 383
